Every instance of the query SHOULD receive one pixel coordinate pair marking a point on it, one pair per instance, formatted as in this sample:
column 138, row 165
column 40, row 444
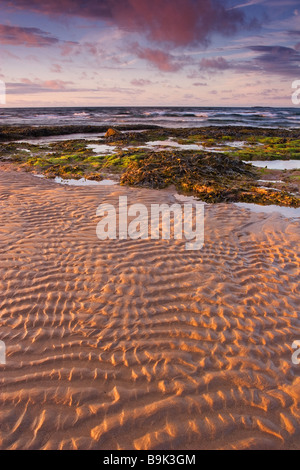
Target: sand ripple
column 141, row 344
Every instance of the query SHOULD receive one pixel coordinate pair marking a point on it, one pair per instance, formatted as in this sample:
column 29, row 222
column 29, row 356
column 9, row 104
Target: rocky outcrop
column 112, row 133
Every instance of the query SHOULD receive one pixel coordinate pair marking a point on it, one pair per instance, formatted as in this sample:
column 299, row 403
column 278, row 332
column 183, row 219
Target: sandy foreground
column 142, row 344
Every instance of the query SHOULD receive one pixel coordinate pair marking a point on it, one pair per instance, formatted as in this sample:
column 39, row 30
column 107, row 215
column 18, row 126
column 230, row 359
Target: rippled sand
column 141, row 344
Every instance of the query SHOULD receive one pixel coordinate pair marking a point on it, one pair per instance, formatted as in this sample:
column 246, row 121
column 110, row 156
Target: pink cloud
column 178, row 22
column 26, row 86
column 22, row 36
column 93, row 49
column 162, row 60
column 55, row 84
column 26, row 81
column 70, row 47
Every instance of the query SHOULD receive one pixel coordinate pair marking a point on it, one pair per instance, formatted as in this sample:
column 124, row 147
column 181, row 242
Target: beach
column 140, row 344
column 149, row 229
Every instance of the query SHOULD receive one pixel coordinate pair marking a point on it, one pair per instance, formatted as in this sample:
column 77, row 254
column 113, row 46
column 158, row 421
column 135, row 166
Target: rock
column 112, row 133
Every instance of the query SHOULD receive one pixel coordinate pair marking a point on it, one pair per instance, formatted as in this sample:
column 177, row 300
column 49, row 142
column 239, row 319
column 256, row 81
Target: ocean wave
column 167, row 116
column 81, row 114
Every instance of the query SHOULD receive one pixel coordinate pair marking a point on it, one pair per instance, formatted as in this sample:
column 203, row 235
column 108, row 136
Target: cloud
column 56, row 68
column 23, row 36
column 162, row 60
column 273, row 60
column 140, row 82
column 218, row 63
column 26, row 86
column 56, row 84
column 69, row 48
column 4, row 54
column 177, row 22
column 276, row 60
column 118, row 90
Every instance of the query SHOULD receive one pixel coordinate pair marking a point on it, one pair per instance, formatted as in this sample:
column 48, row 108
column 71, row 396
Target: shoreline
column 113, row 180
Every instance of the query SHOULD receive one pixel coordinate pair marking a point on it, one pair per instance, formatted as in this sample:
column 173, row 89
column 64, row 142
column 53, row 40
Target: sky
column 149, row 52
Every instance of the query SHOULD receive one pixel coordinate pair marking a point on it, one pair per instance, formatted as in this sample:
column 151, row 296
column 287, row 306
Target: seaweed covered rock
column 213, row 178
column 158, row 170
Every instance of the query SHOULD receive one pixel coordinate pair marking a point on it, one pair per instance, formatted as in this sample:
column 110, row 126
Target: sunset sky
column 149, row 52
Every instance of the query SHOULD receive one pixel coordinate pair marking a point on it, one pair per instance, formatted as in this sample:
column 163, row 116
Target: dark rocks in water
column 122, row 138
column 9, row 132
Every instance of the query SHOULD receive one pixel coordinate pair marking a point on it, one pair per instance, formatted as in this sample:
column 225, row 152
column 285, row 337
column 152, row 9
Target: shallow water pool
column 277, row 164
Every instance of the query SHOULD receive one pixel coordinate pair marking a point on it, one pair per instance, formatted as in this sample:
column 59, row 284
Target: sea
column 172, row 117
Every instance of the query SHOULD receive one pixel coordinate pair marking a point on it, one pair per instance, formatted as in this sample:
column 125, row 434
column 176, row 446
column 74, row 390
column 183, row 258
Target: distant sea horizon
column 164, row 116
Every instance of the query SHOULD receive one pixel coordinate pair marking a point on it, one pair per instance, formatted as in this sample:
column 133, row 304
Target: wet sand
column 142, row 344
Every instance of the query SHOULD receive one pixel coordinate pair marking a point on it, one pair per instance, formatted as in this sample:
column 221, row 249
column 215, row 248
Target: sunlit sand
column 141, row 344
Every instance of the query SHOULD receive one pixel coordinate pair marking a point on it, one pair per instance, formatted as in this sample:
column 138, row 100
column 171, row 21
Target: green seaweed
column 212, row 177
